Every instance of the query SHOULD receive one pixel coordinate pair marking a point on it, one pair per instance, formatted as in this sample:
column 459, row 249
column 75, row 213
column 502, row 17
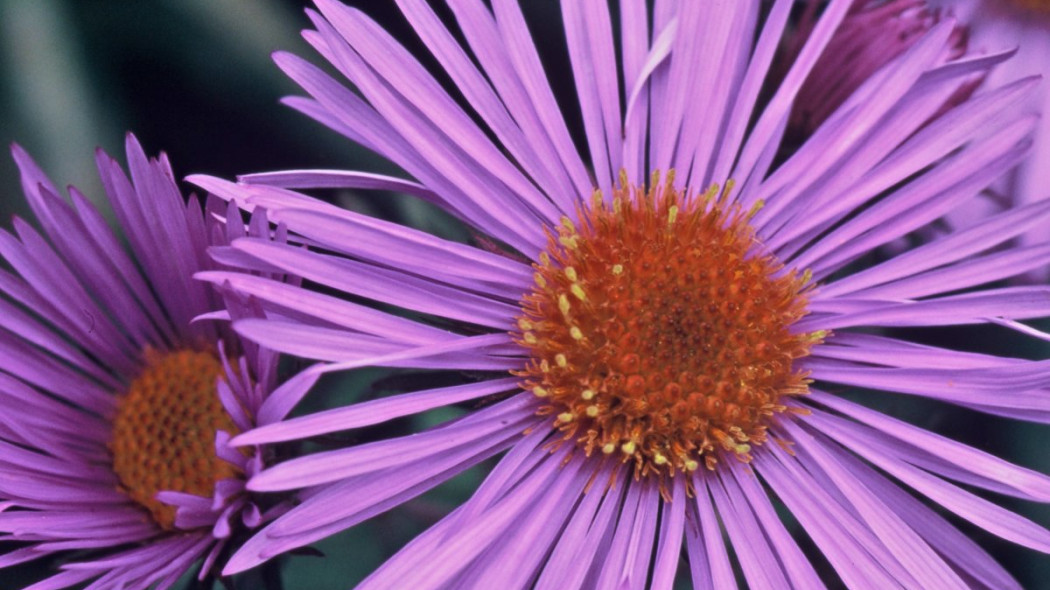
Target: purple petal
column 515, row 39
column 778, row 108
column 857, row 555
column 708, row 558
column 1006, row 477
column 759, row 562
column 533, row 156
column 671, row 531
column 328, row 466
column 395, row 66
column 743, row 107
column 970, row 308
column 390, row 286
column 479, row 27
column 797, row 567
column 572, row 555
column 979, row 511
column 431, row 567
column 371, row 412
column 906, row 544
column 588, row 32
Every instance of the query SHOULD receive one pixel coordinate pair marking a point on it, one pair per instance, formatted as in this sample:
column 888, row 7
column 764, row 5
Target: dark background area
column 194, row 78
column 190, row 77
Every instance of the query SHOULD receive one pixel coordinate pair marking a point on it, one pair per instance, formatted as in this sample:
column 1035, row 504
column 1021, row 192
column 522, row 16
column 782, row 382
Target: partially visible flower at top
column 667, row 327
column 117, row 405
column 1024, row 25
column 872, row 35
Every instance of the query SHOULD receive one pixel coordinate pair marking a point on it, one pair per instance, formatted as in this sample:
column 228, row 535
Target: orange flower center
column 164, row 431
column 660, row 332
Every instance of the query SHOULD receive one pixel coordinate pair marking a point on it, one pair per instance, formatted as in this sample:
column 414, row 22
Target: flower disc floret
column 659, row 331
column 164, row 431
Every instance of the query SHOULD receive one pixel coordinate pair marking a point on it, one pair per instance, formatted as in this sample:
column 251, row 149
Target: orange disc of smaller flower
column 164, row 431
column 658, row 330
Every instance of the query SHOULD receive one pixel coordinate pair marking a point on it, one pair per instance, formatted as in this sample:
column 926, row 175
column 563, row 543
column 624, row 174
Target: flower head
column 654, row 330
column 660, row 350
column 118, row 405
column 872, row 35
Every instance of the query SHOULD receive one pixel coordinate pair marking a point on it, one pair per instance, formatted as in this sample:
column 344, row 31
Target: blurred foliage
column 194, row 78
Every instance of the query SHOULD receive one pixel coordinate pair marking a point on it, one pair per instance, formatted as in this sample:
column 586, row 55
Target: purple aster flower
column 871, row 35
column 671, row 357
column 118, row 406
